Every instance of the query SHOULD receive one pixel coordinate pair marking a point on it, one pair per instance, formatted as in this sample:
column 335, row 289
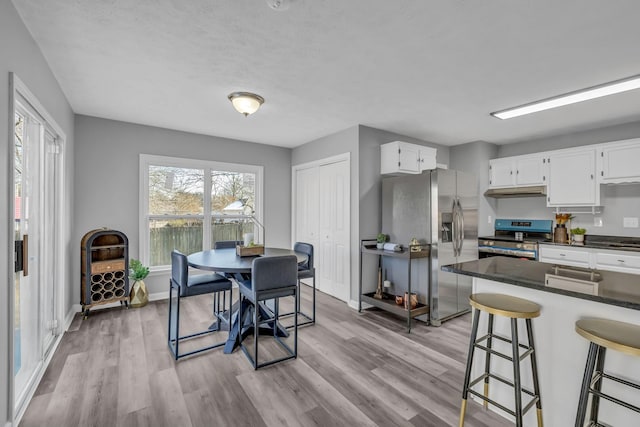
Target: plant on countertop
column 579, row 231
column 563, row 218
column 381, row 238
column 137, row 271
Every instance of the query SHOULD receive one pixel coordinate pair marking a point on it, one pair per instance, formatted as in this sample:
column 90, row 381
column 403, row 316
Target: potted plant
column 578, row 234
column 139, row 297
column 381, row 239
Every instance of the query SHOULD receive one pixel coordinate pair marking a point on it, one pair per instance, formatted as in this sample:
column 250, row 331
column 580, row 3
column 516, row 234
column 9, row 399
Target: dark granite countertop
column 617, row 243
column 606, row 287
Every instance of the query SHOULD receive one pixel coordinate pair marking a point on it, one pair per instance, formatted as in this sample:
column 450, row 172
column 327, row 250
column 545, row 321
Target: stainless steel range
column 516, row 238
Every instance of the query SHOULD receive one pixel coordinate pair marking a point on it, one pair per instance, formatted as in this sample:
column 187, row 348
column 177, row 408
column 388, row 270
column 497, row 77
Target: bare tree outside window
column 177, row 214
column 230, row 187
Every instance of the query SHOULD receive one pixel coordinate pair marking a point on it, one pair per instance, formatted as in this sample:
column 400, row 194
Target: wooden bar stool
column 604, row 334
column 513, row 308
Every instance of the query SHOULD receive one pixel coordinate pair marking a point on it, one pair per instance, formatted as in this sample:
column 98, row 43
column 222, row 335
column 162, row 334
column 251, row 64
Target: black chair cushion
column 204, row 279
column 205, row 284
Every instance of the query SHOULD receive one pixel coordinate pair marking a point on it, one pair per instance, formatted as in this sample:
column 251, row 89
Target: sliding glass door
column 36, row 194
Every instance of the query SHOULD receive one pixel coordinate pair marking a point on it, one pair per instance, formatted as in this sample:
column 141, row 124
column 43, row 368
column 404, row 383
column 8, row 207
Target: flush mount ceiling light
column 246, row 102
column 611, row 88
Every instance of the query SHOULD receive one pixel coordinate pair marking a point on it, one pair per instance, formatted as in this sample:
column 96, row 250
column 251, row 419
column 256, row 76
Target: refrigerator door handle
column 461, row 227
column 454, row 227
column 458, row 228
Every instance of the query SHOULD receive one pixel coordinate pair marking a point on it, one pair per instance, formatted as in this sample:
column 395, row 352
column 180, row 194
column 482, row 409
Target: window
column 189, row 205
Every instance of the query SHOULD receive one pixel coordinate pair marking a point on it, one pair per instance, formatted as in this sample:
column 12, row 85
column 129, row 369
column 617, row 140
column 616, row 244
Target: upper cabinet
column 518, row 171
column 572, row 178
column 400, row 157
column 620, row 162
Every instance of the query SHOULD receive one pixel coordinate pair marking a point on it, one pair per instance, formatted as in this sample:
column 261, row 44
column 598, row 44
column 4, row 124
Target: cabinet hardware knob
column 620, row 260
column 563, row 254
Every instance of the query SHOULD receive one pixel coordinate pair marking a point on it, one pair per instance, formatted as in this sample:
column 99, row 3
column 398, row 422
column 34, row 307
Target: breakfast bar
column 566, row 294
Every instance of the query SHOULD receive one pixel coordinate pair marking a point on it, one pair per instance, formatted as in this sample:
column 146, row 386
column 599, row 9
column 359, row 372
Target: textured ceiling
column 431, row 69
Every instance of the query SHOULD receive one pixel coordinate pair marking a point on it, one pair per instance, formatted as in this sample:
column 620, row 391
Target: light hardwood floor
column 114, row 369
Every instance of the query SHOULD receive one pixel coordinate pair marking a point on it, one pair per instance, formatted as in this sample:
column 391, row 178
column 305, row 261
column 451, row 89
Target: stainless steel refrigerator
column 438, row 207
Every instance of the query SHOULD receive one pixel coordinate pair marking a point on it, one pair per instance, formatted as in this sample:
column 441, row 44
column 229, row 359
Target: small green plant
column 137, row 271
column 579, row 231
column 381, row 238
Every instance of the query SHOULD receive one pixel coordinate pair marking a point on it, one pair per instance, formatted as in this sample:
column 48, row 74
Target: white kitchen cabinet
column 501, row 173
column 572, row 178
column 622, row 261
column 595, row 258
column 620, row 162
column 518, row 171
column 400, row 157
column 574, row 257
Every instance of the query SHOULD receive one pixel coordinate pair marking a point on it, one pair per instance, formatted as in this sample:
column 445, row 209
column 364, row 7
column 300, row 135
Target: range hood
column 503, row 193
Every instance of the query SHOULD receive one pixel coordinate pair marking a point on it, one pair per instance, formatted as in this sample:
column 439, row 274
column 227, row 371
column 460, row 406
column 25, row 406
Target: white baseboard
column 159, row 296
column 69, row 317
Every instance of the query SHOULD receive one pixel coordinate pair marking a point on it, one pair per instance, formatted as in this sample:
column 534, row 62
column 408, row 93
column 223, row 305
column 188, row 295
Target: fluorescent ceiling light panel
column 618, row 86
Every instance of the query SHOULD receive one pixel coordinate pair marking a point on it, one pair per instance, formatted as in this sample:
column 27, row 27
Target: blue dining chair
column 306, row 270
column 226, row 244
column 182, row 286
column 272, row 278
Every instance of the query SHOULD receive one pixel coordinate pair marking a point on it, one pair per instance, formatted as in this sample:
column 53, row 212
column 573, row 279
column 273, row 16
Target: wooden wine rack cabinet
column 104, row 269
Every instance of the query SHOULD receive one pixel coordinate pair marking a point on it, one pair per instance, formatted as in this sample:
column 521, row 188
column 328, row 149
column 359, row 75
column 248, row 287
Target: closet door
column 306, row 209
column 322, row 218
column 334, row 229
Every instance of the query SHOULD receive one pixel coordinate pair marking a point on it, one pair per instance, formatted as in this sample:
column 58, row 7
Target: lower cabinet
column 564, row 256
column 601, row 259
column 618, row 261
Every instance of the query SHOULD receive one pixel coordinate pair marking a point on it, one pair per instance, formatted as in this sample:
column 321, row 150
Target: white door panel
column 322, row 217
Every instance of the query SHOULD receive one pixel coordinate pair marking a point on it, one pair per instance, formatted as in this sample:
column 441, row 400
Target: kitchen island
column 565, row 294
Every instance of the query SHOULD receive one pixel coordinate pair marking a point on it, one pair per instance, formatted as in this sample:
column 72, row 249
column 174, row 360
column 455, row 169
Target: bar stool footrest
column 511, row 412
column 502, row 380
column 521, row 357
column 501, row 338
column 614, row 400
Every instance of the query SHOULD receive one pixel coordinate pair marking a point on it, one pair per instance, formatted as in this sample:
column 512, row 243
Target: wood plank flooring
column 114, row 369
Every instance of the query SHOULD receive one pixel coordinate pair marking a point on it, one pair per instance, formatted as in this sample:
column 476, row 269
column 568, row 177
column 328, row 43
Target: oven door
column 491, row 251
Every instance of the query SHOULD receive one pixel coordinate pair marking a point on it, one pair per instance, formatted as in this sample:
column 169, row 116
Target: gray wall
column 474, row 158
column 619, row 201
column 107, row 175
column 364, row 145
column 21, row 55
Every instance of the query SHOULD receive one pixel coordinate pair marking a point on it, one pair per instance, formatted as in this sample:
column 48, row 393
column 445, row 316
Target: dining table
column 239, row 268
